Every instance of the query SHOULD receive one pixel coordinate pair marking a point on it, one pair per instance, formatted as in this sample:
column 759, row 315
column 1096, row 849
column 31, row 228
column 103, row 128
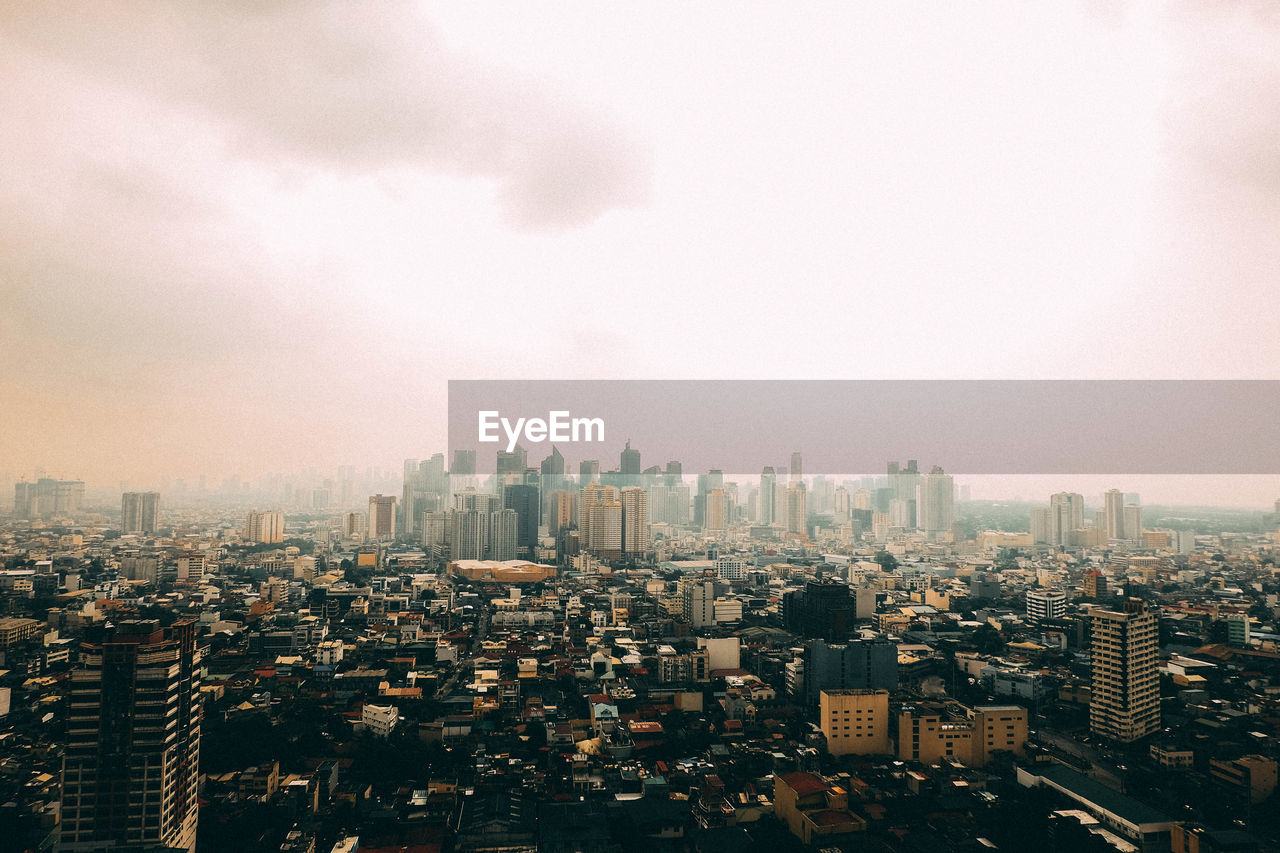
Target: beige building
column 1125, row 698
column 932, row 733
column 855, row 722
column 265, row 527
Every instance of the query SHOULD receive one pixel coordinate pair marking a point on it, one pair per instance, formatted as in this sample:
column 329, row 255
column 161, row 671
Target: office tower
column 860, row 665
column 1125, row 703
column 605, row 526
column 1095, row 585
column 629, row 463
column 797, row 469
column 524, row 501
column 504, row 532
column 464, row 463
column 855, row 722
column 716, row 511
column 1113, row 514
column 1066, row 515
column 1133, row 522
column 823, row 609
column 511, row 466
column 130, row 770
column 698, row 598
column 588, row 472
column 382, row 516
column 139, row 512
column 552, row 470
column 635, row 521
column 797, row 510
column 768, row 494
column 1046, row 604
column 935, row 503
column 675, row 471
column 263, row 527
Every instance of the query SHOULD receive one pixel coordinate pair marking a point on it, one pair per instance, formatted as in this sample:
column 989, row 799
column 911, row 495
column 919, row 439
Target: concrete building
column 133, row 733
column 379, row 720
column 855, row 722
column 931, row 732
column 1125, row 703
column 139, row 512
column 1046, row 604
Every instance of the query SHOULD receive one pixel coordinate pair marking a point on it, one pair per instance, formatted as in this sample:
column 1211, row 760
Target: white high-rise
column 935, row 503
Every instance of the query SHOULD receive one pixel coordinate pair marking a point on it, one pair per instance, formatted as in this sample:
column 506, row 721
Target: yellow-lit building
column 855, row 722
column 501, row 571
column 931, row 733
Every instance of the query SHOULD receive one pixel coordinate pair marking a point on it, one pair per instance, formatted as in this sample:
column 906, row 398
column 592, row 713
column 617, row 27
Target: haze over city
column 275, row 254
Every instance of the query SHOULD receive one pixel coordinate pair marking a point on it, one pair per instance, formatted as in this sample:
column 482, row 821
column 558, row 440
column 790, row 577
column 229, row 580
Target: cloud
column 352, row 88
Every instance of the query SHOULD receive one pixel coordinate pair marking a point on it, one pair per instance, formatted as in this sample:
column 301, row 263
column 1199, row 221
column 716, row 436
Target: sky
column 255, row 237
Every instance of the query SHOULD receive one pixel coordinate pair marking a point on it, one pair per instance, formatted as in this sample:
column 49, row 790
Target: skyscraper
column 629, row 463
column 1066, row 514
column 588, row 471
column 504, row 531
column 1113, row 514
column 797, row 510
column 382, row 516
column 635, row 521
column 768, row 489
column 139, row 512
column 524, row 501
column 797, row 468
column 935, row 503
column 1125, row 703
column 131, row 767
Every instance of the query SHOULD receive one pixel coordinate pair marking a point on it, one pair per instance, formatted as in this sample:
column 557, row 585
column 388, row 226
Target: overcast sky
column 252, row 237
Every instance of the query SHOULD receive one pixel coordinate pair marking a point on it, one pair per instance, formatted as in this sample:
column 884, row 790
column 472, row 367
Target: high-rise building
column 635, row 521
column 1046, row 604
column 935, row 503
column 139, row 512
column 1095, row 585
column 382, row 516
column 698, row 597
column 588, row 472
column 629, row 463
column 504, row 534
column 524, row 501
column 797, row 510
column 1066, row 515
column 860, row 665
column 469, row 538
column 552, row 470
column 264, row 527
column 1125, row 699
column 1113, row 514
column 1133, row 522
column 797, row 469
column 131, row 768
column 823, row 609
column 605, row 526
column 768, row 491
column 716, row 511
